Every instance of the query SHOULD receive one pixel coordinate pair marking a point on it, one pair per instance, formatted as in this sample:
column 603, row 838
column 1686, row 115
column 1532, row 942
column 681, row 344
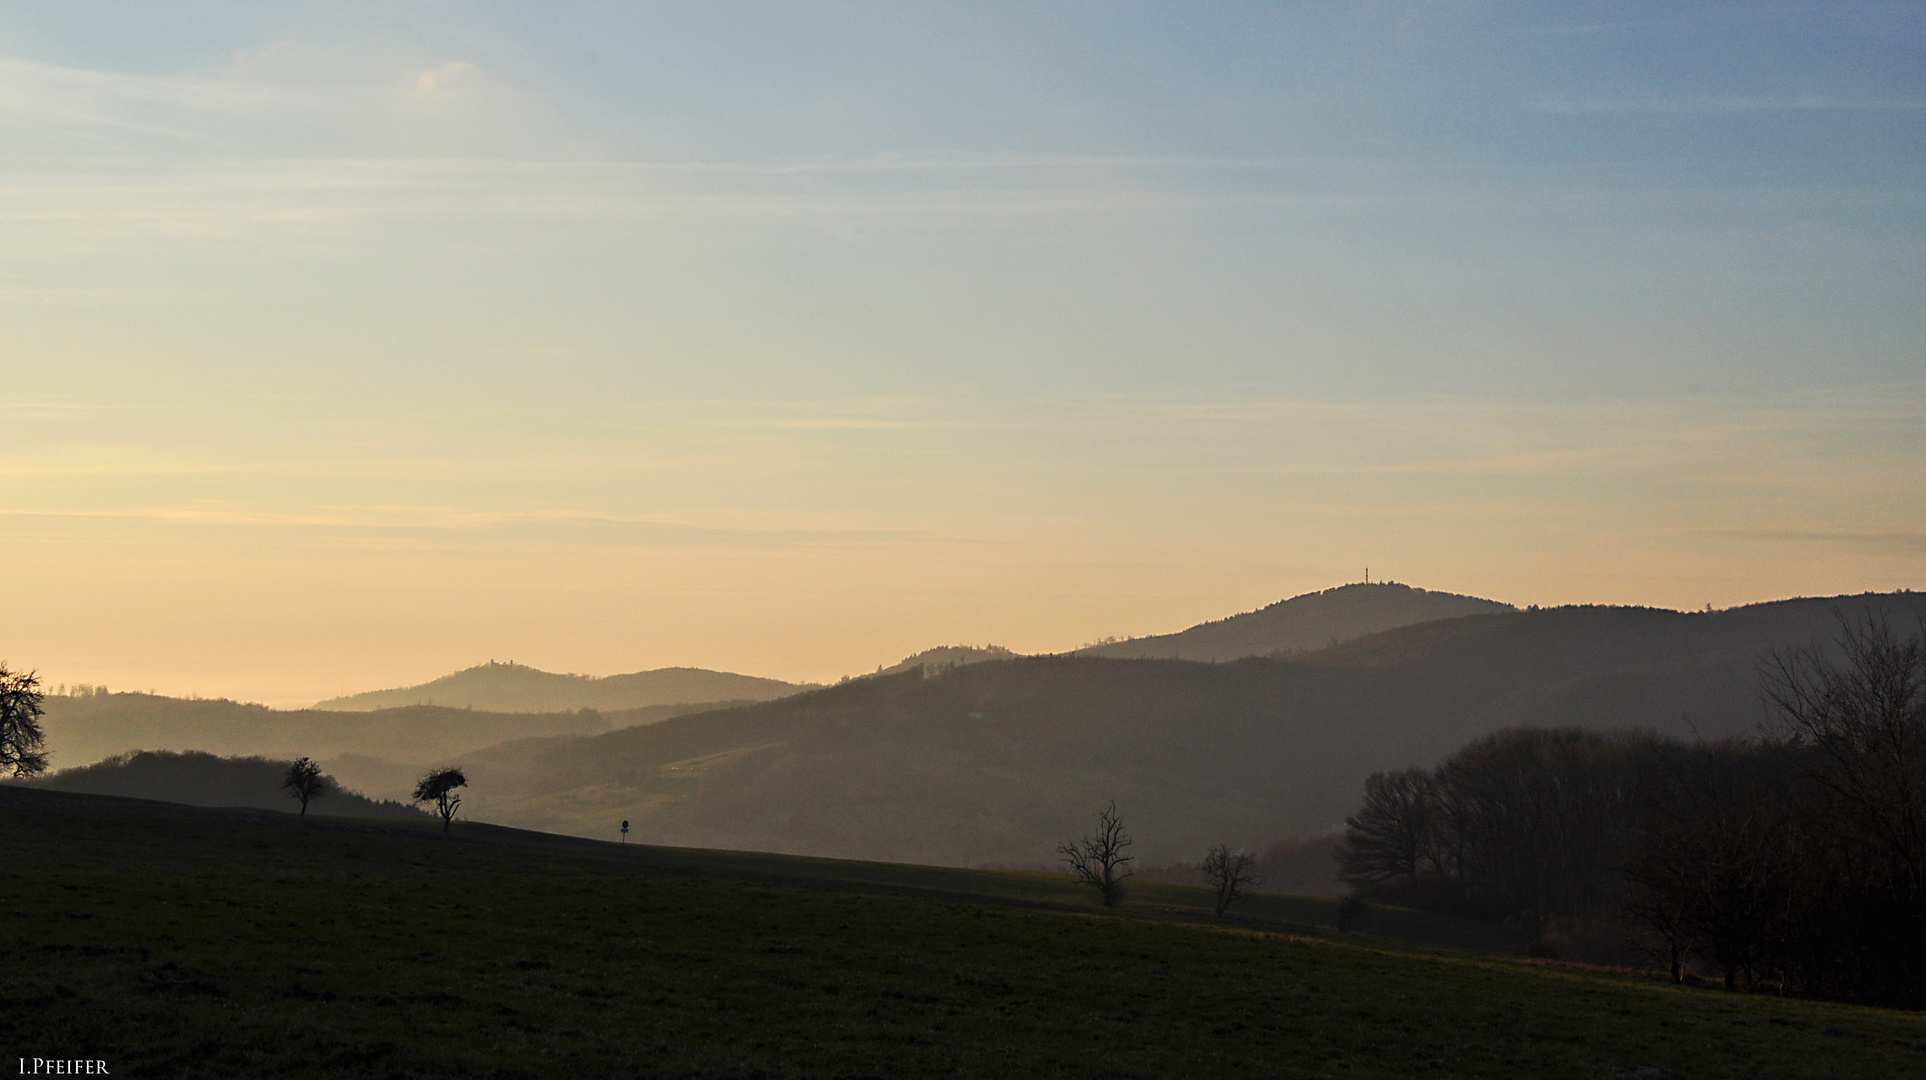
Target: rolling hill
column 198, row 779
column 510, row 688
column 1301, row 624
column 997, row 762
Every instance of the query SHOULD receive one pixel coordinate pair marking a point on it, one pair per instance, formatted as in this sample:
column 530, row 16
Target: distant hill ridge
column 997, row 762
column 1302, row 624
column 201, row 779
column 945, row 656
column 512, row 687
column 85, row 729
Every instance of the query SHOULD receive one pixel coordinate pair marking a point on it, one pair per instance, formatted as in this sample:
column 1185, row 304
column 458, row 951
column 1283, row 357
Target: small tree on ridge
column 438, row 787
column 305, row 782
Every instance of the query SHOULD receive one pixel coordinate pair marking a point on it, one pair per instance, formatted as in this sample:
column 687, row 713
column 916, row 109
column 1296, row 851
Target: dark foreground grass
column 176, row 942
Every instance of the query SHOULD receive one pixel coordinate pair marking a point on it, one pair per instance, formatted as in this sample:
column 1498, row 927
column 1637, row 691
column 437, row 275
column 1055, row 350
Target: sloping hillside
column 177, row 941
column 997, row 762
column 199, row 779
column 519, row 688
column 1302, row 624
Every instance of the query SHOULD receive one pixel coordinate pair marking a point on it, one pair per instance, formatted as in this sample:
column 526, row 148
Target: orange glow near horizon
column 342, row 351
column 805, row 548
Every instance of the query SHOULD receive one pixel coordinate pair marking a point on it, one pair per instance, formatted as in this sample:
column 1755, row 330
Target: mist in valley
column 980, row 757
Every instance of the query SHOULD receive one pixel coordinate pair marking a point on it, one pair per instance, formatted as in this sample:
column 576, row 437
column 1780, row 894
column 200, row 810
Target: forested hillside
column 997, row 762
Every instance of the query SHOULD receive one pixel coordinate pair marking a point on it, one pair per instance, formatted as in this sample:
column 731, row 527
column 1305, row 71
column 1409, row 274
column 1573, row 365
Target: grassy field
column 171, row 941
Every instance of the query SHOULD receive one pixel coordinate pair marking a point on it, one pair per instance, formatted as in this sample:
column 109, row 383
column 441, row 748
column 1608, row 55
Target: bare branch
column 1098, row 860
column 1230, row 873
column 22, row 745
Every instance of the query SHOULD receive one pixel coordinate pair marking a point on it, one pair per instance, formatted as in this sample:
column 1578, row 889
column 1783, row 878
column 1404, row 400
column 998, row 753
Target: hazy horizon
column 51, row 685
column 349, row 345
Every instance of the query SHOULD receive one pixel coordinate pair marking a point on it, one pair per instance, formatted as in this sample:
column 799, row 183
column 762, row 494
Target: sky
column 347, row 344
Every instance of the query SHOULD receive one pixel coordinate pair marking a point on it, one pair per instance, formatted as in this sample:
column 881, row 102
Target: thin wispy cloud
column 198, row 109
column 276, row 103
column 539, row 528
column 1558, row 105
column 927, row 324
column 1886, row 539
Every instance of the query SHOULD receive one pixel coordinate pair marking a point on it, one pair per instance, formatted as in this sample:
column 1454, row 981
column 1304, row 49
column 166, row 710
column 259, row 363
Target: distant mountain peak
column 1303, row 623
column 506, row 686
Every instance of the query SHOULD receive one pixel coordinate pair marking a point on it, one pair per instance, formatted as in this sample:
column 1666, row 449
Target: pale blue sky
column 383, row 338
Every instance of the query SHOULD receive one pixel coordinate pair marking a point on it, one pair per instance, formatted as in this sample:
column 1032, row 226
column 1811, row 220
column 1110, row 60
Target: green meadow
column 172, row 941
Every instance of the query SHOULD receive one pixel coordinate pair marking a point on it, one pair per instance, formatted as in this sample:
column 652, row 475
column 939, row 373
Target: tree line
column 1793, row 860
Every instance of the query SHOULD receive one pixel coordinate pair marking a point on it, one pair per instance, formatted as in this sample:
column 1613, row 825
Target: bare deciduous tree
column 21, row 742
column 438, row 787
column 1663, row 872
column 1230, row 873
column 305, row 782
column 1854, row 719
column 1394, row 836
column 1863, row 724
column 1098, row 860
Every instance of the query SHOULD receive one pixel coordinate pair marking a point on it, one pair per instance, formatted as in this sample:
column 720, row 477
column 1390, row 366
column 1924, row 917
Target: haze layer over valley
column 445, row 718
column 979, row 756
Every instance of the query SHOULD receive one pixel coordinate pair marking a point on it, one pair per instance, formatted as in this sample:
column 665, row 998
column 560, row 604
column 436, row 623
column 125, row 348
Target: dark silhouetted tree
column 1795, row 861
column 1664, row 870
column 1715, row 871
column 1396, row 835
column 438, row 787
column 1853, row 717
column 1230, row 873
column 305, row 782
column 1098, row 860
column 1538, row 819
column 21, row 742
